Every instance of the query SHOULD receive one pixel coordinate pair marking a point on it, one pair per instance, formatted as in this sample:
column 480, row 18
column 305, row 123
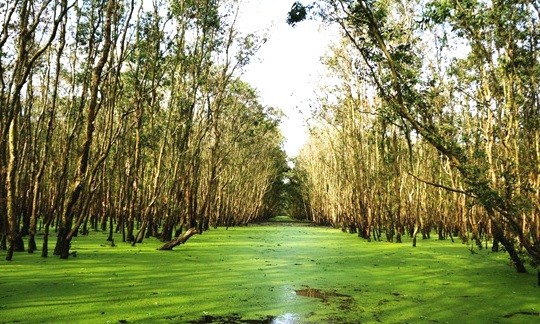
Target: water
column 317, row 293
column 287, row 318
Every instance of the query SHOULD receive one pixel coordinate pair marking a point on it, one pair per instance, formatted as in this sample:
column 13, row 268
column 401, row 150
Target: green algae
column 252, row 275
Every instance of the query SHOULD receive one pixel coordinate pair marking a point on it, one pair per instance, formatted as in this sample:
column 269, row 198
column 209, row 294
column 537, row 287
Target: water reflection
column 287, row 318
column 317, row 293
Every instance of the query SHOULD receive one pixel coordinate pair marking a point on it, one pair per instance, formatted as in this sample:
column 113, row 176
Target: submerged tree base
column 179, row 240
column 234, row 318
column 284, row 274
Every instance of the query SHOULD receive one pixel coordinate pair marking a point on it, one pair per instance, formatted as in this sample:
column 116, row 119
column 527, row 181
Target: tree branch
column 438, row 185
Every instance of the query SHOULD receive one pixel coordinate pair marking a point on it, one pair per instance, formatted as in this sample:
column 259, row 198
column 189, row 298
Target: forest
column 128, row 122
column 129, row 116
column 432, row 123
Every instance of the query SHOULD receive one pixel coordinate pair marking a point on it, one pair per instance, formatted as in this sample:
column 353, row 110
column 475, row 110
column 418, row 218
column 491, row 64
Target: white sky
column 287, row 69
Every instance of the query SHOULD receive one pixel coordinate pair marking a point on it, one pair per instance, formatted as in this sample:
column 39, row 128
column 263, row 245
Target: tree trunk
column 415, row 233
column 140, row 234
column 80, row 180
column 12, row 230
column 179, row 240
column 45, row 249
column 111, row 226
column 498, row 235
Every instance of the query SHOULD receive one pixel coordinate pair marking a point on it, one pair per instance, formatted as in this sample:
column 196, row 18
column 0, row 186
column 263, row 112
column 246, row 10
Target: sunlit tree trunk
column 79, row 182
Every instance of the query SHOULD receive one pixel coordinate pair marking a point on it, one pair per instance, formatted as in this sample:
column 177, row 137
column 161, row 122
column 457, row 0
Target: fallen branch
column 180, row 239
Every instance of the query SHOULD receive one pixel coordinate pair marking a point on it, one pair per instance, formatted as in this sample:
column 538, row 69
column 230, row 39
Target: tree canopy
column 131, row 117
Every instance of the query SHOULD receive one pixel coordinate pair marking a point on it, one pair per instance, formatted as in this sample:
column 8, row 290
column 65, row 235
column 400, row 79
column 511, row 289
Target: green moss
column 254, row 272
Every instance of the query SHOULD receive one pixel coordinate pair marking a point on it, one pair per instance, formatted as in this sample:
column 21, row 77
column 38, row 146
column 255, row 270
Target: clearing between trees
column 282, row 273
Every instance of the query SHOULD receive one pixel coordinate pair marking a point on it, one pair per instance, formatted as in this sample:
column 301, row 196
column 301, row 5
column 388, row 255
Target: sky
column 287, row 70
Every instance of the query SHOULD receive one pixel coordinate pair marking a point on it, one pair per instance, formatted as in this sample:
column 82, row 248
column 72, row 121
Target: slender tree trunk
column 11, row 191
column 76, row 189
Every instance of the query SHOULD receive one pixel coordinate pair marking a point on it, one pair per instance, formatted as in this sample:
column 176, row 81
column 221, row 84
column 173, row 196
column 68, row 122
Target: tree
column 22, row 23
column 492, row 83
column 129, row 118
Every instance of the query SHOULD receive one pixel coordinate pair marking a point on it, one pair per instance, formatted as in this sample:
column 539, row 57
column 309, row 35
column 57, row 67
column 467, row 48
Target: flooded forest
column 132, row 118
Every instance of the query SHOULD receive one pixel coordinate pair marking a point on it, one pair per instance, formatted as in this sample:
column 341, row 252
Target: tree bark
column 498, row 234
column 179, row 240
column 64, row 237
column 12, row 231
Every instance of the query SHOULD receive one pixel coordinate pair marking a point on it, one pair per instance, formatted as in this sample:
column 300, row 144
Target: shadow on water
column 317, row 293
column 237, row 319
column 509, row 315
column 232, row 319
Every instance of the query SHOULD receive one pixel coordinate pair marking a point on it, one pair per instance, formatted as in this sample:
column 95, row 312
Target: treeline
column 129, row 116
column 433, row 123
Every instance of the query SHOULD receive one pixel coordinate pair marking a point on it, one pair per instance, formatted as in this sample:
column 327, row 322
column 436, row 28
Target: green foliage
column 467, row 99
column 298, row 13
column 134, row 113
column 296, row 194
